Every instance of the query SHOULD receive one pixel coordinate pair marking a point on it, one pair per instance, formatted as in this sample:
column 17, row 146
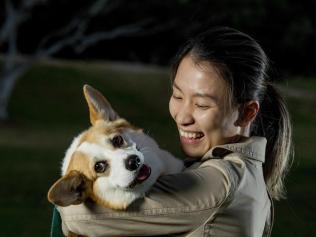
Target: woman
column 235, row 129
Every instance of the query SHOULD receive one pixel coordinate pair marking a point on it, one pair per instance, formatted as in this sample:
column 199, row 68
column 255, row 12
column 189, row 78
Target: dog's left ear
column 72, row 189
column 99, row 107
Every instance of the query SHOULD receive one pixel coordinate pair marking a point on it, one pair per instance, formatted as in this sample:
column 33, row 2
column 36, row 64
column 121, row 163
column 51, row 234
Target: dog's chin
column 142, row 175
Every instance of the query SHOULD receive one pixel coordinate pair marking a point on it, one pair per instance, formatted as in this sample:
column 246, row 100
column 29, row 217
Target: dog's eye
column 117, row 141
column 100, row 166
column 137, row 148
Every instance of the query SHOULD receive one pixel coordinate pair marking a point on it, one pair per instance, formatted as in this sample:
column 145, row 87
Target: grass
column 295, row 216
column 48, row 109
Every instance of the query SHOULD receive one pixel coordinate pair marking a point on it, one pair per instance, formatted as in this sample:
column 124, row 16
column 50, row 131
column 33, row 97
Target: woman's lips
column 190, row 141
column 190, row 138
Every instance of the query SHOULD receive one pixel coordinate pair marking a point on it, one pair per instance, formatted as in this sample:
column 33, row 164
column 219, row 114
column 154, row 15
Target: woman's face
column 198, row 105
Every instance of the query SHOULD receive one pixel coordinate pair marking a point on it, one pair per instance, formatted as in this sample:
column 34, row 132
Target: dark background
column 45, row 107
column 285, row 28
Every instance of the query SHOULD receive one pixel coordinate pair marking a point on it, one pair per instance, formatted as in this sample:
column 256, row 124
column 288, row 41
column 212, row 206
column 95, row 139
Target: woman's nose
column 184, row 116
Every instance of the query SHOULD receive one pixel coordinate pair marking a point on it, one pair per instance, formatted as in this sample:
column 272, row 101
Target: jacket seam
column 83, row 218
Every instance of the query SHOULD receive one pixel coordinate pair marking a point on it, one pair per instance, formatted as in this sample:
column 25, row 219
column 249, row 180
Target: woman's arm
column 177, row 203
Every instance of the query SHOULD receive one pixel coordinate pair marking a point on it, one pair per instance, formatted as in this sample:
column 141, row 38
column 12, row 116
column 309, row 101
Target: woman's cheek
column 209, row 120
column 229, row 127
column 172, row 108
column 211, row 126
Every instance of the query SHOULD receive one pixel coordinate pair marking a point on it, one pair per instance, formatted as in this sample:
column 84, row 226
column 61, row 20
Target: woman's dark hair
column 244, row 66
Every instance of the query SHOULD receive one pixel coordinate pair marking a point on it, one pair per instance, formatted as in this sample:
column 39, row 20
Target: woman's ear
column 247, row 113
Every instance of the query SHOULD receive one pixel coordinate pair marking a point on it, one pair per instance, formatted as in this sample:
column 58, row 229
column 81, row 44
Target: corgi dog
column 106, row 165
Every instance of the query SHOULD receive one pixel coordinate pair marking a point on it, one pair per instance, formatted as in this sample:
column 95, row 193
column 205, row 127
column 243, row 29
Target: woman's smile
column 190, row 137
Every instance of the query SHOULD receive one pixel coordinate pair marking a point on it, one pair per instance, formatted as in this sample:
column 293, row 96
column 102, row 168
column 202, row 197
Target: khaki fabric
column 223, row 194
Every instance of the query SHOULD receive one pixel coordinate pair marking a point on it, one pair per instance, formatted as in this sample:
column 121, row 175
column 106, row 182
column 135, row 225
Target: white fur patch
column 119, row 176
column 117, row 197
column 69, row 153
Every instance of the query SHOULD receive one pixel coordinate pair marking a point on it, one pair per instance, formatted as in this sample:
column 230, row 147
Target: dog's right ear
column 72, row 189
column 99, row 107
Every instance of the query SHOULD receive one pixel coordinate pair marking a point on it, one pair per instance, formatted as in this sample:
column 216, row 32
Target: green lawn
column 48, row 110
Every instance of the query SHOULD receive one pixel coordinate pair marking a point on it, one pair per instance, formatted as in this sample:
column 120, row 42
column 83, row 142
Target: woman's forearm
column 177, row 203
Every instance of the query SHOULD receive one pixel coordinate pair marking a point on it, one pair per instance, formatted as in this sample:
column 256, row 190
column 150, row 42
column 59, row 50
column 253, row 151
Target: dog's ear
column 72, row 189
column 99, row 107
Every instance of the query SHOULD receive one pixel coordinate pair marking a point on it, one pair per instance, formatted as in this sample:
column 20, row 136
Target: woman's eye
column 177, row 97
column 202, row 106
column 117, row 141
column 100, row 166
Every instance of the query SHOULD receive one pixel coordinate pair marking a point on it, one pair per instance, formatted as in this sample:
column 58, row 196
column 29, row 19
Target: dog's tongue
column 143, row 173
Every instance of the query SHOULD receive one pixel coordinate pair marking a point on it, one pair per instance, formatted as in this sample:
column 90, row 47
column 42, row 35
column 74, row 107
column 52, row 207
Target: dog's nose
column 132, row 162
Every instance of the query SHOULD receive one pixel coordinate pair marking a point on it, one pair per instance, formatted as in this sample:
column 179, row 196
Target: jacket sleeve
column 177, row 203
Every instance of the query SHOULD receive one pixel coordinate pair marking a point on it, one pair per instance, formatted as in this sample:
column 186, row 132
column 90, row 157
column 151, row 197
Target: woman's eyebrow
column 199, row 94
column 176, row 86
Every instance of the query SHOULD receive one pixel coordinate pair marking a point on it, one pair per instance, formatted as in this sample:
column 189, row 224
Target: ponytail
column 273, row 122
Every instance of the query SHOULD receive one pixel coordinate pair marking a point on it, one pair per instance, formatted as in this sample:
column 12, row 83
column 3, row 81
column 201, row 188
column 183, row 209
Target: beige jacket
column 223, row 194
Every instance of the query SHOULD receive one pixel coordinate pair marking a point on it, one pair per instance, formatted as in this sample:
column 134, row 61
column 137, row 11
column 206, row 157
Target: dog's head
column 102, row 163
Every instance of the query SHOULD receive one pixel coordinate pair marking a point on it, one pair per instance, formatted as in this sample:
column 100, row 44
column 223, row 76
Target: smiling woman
column 235, row 130
column 197, row 104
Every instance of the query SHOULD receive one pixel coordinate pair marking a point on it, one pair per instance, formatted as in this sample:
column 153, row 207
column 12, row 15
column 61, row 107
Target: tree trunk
column 8, row 81
column 73, row 34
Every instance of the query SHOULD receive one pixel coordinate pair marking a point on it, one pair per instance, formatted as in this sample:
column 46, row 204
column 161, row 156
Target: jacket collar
column 251, row 147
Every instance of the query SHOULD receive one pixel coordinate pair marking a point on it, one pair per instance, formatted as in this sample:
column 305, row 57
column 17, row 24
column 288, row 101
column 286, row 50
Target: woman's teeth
column 191, row 135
